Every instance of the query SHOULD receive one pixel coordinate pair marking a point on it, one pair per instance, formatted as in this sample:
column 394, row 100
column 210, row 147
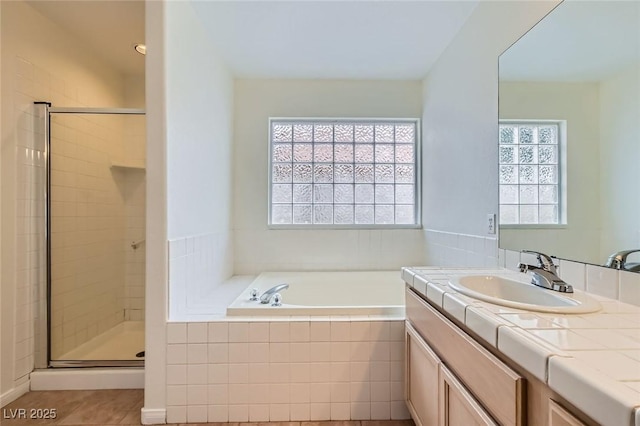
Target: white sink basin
column 501, row 290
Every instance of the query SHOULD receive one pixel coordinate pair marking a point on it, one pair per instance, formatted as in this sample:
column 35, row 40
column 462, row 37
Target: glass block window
column 529, row 173
column 343, row 173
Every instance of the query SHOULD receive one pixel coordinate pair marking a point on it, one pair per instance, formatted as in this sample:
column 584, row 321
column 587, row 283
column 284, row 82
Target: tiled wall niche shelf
column 128, row 165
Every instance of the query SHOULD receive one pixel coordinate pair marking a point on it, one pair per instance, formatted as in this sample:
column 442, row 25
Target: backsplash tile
column 602, row 281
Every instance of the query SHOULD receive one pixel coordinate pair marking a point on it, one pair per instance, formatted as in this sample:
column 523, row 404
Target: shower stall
column 90, row 309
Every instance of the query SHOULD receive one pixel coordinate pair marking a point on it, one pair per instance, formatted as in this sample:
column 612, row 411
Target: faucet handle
column 253, row 294
column 276, row 300
column 544, row 261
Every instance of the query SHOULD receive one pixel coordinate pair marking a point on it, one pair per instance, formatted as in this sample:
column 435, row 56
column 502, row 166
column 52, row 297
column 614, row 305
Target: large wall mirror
column 570, row 134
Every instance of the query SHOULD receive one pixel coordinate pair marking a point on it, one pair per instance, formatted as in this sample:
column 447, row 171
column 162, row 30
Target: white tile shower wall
column 87, row 220
column 134, row 199
column 30, row 212
column 455, row 250
column 197, row 265
column 298, row 370
column 620, row 285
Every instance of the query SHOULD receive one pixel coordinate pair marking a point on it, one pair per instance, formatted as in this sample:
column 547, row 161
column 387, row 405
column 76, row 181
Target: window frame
column 562, row 174
column 417, row 161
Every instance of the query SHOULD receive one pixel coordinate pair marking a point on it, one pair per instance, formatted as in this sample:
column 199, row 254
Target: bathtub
column 326, row 293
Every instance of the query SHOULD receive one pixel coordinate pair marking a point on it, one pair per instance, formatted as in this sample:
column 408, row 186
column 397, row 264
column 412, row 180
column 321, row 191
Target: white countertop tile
column 611, row 321
column 608, row 402
column 456, row 304
column 484, row 323
column 611, row 363
column 609, row 338
column 631, row 353
column 517, row 345
column 567, row 321
column 435, row 292
column 529, row 320
column 566, row 339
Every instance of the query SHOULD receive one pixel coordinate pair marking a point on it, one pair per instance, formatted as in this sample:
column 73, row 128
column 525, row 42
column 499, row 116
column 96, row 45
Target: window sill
column 342, row 227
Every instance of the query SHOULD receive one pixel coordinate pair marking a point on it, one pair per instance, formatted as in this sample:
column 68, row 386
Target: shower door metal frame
column 43, row 358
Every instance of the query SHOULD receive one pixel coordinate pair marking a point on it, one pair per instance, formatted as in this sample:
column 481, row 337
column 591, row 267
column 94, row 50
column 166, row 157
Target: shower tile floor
column 120, row 407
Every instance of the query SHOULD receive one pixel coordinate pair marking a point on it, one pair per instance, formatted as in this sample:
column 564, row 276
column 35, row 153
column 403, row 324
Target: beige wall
column 619, row 159
column 258, row 249
column 578, row 104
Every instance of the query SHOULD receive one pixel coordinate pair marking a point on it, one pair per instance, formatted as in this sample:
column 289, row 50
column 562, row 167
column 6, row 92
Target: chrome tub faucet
column 545, row 274
column 266, row 296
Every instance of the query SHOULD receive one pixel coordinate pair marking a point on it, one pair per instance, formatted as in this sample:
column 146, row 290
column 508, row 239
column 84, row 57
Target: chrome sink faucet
column 266, row 296
column 545, row 274
column 619, row 261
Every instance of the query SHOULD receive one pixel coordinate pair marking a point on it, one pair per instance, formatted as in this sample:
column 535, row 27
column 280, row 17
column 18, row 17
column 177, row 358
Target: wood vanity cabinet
column 422, row 384
column 457, row 406
column 446, row 367
column 452, row 380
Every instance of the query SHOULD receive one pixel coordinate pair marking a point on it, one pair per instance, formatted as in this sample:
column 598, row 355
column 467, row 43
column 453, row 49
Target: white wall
column 578, row 104
column 199, row 128
column 460, row 118
column 619, row 159
column 258, row 249
column 40, row 61
column 189, row 167
column 199, row 105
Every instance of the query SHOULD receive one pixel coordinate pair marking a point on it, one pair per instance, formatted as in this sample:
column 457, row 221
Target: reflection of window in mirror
column 531, row 172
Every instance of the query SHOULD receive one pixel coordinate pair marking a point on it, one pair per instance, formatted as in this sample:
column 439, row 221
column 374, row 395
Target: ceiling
column 110, row 28
column 355, row 39
column 578, row 41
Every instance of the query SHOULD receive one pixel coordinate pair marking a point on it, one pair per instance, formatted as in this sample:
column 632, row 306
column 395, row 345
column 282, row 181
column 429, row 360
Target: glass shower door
column 96, row 237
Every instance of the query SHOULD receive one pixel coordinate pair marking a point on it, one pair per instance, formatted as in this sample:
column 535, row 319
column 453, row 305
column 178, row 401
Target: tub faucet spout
column 266, row 296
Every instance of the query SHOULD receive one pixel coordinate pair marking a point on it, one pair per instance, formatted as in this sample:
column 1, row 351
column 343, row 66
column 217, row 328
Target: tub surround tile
column 238, row 332
column 197, row 332
column 218, row 332
column 176, row 333
column 320, row 331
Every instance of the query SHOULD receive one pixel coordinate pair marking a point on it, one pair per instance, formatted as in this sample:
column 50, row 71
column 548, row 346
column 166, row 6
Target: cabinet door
column 558, row 416
column 421, row 372
column 457, row 406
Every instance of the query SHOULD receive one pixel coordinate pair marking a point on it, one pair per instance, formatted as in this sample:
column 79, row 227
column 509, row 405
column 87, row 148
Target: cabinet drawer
column 498, row 388
column 558, row 416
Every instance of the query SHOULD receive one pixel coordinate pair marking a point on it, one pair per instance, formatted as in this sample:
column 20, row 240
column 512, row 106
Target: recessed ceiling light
column 141, row 48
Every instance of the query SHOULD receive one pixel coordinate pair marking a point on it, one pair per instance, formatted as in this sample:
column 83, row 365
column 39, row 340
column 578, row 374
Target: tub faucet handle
column 254, row 295
column 276, row 300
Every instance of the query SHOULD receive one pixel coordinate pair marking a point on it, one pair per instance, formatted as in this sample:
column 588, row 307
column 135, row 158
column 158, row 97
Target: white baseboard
column 154, row 416
column 87, row 378
column 12, row 394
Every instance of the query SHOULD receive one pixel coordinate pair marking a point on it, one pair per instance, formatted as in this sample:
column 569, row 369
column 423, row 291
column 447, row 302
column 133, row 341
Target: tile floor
column 116, row 407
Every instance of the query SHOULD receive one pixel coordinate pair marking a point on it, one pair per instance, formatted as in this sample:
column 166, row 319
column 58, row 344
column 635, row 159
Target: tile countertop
column 592, row 360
